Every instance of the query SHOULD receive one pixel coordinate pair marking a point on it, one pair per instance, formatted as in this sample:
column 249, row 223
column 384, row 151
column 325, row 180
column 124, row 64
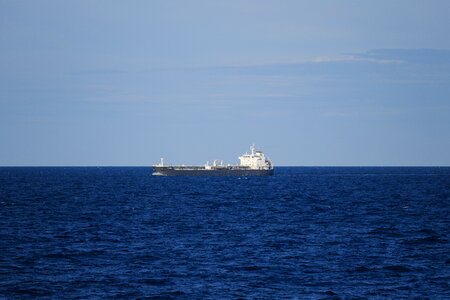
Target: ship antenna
column 252, row 147
column 162, row 162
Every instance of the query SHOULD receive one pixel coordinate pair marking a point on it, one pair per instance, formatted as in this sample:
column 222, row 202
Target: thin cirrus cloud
column 370, row 57
column 374, row 56
column 317, row 78
column 415, row 56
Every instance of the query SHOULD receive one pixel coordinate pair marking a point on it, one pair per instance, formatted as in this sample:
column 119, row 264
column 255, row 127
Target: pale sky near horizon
column 313, row 83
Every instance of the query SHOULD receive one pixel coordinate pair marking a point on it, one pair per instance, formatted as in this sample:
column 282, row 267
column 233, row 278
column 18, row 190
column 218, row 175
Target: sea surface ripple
column 304, row 233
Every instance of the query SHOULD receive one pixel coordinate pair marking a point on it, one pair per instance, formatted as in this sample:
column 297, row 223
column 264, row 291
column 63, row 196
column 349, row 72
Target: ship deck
column 199, row 168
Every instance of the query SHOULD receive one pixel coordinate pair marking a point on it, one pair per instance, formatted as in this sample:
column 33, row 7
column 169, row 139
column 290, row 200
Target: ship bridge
column 255, row 160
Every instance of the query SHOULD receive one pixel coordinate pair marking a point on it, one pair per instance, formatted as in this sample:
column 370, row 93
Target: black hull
column 168, row 171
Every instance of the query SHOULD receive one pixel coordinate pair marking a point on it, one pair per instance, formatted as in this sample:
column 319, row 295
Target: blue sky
column 313, row 83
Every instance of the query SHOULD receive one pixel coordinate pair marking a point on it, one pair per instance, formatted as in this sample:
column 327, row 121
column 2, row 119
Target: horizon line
column 278, row 166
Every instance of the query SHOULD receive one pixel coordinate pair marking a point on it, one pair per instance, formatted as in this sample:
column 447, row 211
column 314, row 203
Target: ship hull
column 170, row 171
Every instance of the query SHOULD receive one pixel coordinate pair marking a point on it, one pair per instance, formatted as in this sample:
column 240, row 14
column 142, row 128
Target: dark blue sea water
column 305, row 233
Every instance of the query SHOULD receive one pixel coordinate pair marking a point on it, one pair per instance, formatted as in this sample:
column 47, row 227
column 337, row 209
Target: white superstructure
column 256, row 160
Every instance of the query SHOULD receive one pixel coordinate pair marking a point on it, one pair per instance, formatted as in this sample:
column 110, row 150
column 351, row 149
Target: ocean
column 304, row 233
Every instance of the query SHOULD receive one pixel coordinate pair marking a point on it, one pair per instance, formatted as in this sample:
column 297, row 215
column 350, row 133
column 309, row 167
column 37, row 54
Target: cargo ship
column 254, row 163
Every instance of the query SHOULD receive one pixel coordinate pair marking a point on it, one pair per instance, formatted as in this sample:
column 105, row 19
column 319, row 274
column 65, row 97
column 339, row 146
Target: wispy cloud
column 281, row 83
column 353, row 58
column 374, row 56
column 416, row 56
